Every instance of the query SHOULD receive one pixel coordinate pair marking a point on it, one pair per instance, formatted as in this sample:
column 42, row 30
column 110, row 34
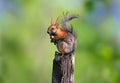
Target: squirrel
column 63, row 37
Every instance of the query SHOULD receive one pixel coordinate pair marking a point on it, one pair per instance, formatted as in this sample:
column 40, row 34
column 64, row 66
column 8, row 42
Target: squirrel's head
column 52, row 29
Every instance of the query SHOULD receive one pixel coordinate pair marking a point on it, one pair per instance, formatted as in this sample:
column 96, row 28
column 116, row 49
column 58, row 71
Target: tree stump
column 63, row 68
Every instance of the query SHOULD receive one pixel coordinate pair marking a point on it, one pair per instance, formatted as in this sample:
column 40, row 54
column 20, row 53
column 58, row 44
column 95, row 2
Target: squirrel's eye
column 52, row 28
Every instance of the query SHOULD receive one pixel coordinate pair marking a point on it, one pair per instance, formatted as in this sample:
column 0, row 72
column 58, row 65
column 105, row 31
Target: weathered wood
column 63, row 68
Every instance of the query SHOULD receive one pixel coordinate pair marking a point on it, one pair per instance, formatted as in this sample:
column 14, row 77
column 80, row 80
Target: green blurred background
column 26, row 53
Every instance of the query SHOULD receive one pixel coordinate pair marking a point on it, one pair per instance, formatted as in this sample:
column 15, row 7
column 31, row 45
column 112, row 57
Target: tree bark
column 63, row 68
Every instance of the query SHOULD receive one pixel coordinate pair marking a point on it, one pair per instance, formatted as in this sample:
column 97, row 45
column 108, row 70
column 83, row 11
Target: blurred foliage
column 26, row 53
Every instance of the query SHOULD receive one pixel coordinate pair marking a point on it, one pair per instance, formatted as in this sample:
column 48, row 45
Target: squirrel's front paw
column 57, row 53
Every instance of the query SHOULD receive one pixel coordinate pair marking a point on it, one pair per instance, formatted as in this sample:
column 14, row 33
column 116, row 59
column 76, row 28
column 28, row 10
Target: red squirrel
column 63, row 37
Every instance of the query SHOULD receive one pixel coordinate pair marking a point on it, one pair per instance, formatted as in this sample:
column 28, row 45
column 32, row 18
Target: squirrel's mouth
column 53, row 34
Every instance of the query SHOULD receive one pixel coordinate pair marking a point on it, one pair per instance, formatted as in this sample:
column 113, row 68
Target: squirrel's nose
column 48, row 32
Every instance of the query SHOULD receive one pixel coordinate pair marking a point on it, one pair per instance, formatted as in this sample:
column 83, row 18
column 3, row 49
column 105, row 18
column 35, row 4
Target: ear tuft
column 57, row 21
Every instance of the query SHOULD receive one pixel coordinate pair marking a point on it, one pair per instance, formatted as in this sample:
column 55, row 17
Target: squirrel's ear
column 57, row 22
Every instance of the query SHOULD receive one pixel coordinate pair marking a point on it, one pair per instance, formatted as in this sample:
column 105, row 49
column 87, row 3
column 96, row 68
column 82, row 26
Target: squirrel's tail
column 65, row 21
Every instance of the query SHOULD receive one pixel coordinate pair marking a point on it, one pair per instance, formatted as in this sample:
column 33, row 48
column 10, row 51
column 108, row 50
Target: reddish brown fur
column 60, row 33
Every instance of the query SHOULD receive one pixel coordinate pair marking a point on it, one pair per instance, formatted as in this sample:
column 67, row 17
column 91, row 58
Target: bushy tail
column 65, row 21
